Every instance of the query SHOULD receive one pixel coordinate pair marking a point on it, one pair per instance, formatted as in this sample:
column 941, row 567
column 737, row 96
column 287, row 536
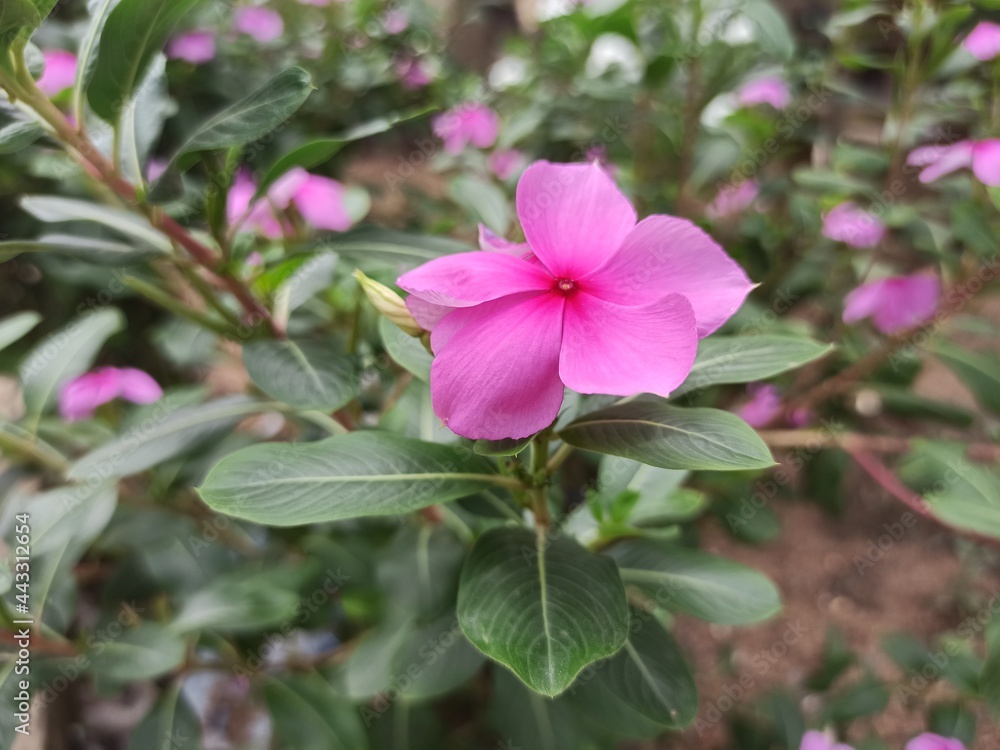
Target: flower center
column 565, row 287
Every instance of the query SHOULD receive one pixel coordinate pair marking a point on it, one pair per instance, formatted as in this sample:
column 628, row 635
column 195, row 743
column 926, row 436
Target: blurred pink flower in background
column 319, row 200
column 195, row 47
column 813, row 740
column 852, row 225
column 59, row 72
column 982, row 157
column 468, row 123
column 395, row 21
column 318, row 3
column 929, row 741
column 505, row 162
column 894, row 303
column 155, row 168
column 585, row 310
column 599, row 153
column 263, row 24
column 79, row 397
column 412, row 72
column 983, row 42
column 733, row 199
column 768, row 90
column 764, row 407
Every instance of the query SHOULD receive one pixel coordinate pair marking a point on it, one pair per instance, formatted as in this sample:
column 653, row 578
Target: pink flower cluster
column 319, row 200
column 593, row 300
column 80, row 397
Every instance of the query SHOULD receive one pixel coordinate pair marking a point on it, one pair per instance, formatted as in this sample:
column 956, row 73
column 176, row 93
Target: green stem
column 166, row 301
column 562, row 453
column 34, row 450
column 539, row 478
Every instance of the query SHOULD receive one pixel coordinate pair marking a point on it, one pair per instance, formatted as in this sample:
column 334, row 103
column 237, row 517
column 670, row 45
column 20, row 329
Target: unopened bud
column 388, row 303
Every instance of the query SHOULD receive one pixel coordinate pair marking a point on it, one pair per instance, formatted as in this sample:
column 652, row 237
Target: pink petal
column 573, row 216
column 852, row 225
column 263, row 24
column 986, row 161
column 733, row 199
column 80, row 396
column 497, row 374
column 137, row 386
column 769, row 90
column 930, row 741
column 862, row 302
column 321, row 202
column 395, row 21
column 813, row 740
column 427, row 314
column 195, row 47
column 621, row 351
column 956, row 156
column 467, row 123
column 983, row 42
column 283, row 190
column 907, row 301
column 468, row 279
column 238, row 198
column 59, row 73
column 763, row 407
column 492, row 242
column 665, row 255
column 505, row 162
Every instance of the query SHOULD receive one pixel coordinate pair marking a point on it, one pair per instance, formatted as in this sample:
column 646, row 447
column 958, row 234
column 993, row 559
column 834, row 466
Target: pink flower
column 195, row 47
column 319, row 200
column 155, row 168
column 928, row 741
column 768, row 90
column 263, row 24
column 467, row 123
column 82, row 395
column 319, row 3
column 505, row 162
column 593, row 301
column 59, row 72
column 733, row 199
column 852, row 225
column 983, row 157
column 763, row 407
column 895, row 303
column 598, row 153
column 395, row 21
column 983, row 42
column 412, row 72
column 813, row 740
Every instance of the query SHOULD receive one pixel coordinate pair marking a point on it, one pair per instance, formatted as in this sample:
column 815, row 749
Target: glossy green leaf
column 419, row 569
column 135, row 31
column 18, row 18
column 370, row 247
column 171, row 720
column 651, row 675
column 545, row 608
column 170, row 429
column 436, row 659
column 486, row 203
column 685, row 580
column 236, row 603
column 745, row 359
column 18, row 135
column 303, row 374
column 62, row 356
column 83, row 248
column 405, row 350
column 979, row 371
column 55, row 209
column 15, row 327
column 656, row 433
column 349, row 476
column 316, row 152
column 309, row 715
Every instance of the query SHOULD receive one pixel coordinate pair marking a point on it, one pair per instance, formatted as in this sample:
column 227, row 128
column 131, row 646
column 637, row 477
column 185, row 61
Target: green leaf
column 83, row 248
column 170, row 721
column 745, row 359
column 527, row 720
column 405, row 350
column 651, row 675
column 303, row 374
column 140, row 653
column 53, row 209
column 18, row 18
column 349, row 476
column 989, row 681
column 419, row 570
column 382, row 248
column 979, row 371
column 309, row 715
column 62, row 356
column 656, row 433
column 485, row 202
column 169, row 430
column 316, row 152
column 708, row 587
column 16, row 326
column 87, row 49
column 18, row 135
column 503, row 447
column 134, row 32
column 436, row 658
column 543, row 607
column 773, row 34
column 236, row 603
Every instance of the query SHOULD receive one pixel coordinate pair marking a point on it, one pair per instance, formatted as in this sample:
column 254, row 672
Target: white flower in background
column 508, row 71
column 615, row 51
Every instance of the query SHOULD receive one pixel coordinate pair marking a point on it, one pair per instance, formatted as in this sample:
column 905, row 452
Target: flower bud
column 388, row 303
